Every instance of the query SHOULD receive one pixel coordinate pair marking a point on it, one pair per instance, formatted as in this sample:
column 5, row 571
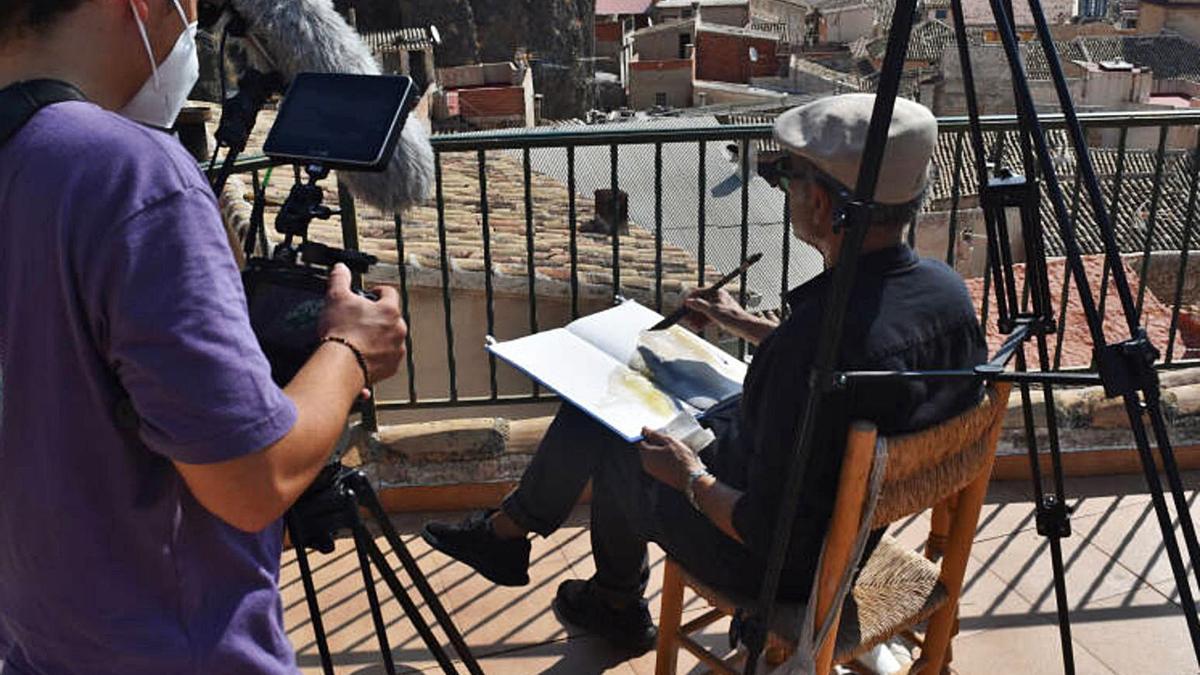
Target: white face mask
column 162, row 96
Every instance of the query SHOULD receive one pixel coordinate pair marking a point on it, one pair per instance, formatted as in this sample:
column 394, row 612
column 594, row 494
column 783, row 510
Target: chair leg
column 943, row 624
column 669, row 617
column 939, row 529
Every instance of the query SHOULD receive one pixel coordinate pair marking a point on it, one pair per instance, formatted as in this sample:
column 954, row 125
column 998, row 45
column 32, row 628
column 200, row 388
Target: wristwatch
column 690, row 489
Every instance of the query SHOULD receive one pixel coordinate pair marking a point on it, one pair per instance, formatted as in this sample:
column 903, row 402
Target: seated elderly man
column 714, row 511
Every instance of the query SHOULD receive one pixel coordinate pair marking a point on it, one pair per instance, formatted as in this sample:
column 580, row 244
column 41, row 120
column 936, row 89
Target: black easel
column 1126, row 367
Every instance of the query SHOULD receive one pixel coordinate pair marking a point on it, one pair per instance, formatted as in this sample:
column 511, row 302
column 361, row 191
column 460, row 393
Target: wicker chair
column 947, row 468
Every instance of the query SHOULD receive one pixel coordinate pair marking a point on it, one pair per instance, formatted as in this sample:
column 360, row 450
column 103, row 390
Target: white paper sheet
column 618, row 397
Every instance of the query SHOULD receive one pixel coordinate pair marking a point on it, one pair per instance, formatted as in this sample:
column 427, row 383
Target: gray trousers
column 628, row 509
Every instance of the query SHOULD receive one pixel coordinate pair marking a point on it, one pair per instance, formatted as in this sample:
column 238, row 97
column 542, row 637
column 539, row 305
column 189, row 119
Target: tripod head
column 303, row 204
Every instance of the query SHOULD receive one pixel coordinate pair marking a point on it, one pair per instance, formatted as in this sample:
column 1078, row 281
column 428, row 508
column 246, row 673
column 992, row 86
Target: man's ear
column 820, row 203
column 141, row 7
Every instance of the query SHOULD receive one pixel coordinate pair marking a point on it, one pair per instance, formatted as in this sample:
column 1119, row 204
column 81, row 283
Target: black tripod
column 333, row 504
column 1126, row 367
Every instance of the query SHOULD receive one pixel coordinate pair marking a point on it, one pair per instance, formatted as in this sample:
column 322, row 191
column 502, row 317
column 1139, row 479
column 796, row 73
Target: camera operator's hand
column 373, row 327
column 708, row 306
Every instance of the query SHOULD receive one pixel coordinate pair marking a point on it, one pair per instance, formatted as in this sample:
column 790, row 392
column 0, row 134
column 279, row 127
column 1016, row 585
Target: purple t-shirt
column 115, row 274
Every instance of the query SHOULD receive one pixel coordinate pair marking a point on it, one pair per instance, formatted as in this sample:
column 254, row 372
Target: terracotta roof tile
column 507, row 221
column 1077, row 342
column 1137, row 186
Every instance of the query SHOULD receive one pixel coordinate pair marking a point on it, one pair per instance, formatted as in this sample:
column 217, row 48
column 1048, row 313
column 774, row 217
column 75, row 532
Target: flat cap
column 831, row 132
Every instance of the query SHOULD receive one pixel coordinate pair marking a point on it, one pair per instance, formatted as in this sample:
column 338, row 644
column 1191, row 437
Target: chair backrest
column 924, row 468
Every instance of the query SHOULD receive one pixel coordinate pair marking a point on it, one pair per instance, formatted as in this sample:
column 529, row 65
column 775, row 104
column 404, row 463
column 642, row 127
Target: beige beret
column 832, row 131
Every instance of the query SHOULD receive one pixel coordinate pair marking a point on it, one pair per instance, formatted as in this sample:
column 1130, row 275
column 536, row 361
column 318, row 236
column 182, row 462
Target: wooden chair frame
column 956, row 500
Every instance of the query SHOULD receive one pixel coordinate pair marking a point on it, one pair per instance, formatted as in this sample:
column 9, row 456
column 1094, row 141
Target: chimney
column 538, row 101
column 612, row 214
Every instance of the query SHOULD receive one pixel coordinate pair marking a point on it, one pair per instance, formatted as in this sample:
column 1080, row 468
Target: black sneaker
column 472, row 542
column 629, row 627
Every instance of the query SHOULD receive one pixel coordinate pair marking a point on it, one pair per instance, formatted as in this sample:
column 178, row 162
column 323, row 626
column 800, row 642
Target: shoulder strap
column 19, row 102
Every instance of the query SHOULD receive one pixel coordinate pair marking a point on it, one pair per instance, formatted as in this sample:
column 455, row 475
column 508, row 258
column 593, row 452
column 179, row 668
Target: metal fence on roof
column 693, row 188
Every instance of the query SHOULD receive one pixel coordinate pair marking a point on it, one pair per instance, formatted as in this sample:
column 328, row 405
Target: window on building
column 687, row 14
column 940, row 13
column 660, row 99
column 991, row 36
column 685, row 41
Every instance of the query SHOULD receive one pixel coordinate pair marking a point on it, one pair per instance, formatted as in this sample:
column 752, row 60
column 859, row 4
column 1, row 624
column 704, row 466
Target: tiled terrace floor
column 1122, row 596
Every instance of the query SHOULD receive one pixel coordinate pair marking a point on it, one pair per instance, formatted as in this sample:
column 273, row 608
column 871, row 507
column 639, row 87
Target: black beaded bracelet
column 358, row 356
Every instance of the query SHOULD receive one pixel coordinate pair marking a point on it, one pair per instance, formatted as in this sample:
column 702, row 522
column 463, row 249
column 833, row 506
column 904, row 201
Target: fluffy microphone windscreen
column 310, row 36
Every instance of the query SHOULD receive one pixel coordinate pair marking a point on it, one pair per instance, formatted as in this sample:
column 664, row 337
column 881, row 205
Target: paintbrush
column 674, row 317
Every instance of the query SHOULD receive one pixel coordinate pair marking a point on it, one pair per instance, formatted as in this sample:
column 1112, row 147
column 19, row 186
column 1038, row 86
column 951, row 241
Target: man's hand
column 666, row 459
column 708, row 306
column 672, row 463
column 374, row 328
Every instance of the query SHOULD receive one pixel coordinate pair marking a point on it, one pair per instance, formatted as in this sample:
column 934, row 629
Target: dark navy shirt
column 905, row 313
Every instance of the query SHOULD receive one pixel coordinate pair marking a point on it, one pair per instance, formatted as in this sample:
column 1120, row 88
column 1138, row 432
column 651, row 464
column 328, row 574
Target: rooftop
column 685, row 4
column 507, row 220
column 610, row 7
column 1124, row 607
column 404, row 39
column 1136, row 184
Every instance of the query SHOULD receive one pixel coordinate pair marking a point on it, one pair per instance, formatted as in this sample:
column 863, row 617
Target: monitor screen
column 341, row 120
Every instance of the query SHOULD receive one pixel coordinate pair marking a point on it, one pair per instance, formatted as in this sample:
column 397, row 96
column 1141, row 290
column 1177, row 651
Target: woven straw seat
column 945, row 468
column 897, row 589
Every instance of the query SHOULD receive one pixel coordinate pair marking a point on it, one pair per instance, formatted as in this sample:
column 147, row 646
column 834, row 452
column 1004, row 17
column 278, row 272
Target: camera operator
column 147, row 542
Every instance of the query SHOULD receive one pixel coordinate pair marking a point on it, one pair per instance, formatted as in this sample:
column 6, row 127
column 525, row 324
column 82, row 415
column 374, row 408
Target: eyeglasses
column 780, row 174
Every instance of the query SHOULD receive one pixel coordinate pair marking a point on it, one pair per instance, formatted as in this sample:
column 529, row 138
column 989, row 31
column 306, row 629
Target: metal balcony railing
column 507, row 247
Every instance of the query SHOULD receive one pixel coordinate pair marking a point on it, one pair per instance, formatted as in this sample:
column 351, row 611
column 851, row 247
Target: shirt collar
column 887, row 261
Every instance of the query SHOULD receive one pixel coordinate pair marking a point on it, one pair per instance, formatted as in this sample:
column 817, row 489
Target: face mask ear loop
column 146, row 41
column 182, row 15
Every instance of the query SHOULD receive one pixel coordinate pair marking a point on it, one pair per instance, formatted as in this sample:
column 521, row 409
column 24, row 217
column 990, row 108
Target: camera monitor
column 341, row 121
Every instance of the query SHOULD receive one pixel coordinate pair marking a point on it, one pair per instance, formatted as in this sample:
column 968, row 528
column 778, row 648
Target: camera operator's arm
column 252, row 491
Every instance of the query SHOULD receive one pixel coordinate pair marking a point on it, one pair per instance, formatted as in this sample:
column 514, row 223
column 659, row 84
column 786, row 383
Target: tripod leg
column 310, row 595
column 1133, row 408
column 1046, row 526
column 410, row 609
column 1177, row 492
column 364, row 564
column 366, row 496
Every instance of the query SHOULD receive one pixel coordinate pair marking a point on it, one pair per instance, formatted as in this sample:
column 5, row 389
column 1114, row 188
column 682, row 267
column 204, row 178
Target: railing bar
column 601, row 137
column 466, row 402
column 987, row 284
column 1159, row 161
column 785, row 286
column 404, row 310
column 572, row 220
column 745, row 241
column 955, row 195
column 616, row 226
column 530, row 269
column 658, row 228
column 444, row 259
column 1065, row 297
column 349, row 218
column 702, row 199
column 1189, row 224
column 1116, row 215
column 488, row 291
